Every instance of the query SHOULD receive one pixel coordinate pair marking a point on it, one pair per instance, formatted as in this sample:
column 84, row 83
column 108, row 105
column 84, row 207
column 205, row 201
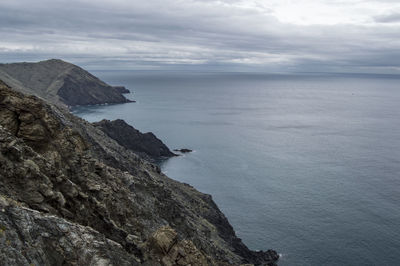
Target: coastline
column 88, row 141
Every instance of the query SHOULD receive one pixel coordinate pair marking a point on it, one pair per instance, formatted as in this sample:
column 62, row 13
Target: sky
column 360, row 36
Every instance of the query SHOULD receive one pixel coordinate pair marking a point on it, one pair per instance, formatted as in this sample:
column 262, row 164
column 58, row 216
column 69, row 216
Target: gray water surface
column 308, row 165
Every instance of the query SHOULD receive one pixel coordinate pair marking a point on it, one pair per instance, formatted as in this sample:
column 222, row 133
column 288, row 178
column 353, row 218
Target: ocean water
column 308, row 165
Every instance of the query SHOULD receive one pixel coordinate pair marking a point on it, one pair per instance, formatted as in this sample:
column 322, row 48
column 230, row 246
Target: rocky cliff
column 70, row 195
column 146, row 145
column 59, row 81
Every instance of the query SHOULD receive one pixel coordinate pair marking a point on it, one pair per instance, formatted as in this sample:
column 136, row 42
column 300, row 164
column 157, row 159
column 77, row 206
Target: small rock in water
column 183, row 150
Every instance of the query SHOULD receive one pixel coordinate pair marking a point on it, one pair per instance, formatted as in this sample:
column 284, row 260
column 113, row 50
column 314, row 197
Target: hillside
column 60, row 82
column 70, row 195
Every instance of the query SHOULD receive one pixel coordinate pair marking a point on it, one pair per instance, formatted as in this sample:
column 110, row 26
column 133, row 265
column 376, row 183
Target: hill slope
column 71, row 195
column 59, row 81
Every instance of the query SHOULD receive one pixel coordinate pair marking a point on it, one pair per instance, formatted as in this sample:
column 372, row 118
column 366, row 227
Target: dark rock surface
column 184, row 150
column 59, row 81
column 29, row 237
column 146, row 145
column 70, row 195
column 121, row 89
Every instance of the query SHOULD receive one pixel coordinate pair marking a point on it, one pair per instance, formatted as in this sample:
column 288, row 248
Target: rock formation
column 59, row 81
column 184, row 150
column 29, row 237
column 70, row 195
column 121, row 89
column 146, row 145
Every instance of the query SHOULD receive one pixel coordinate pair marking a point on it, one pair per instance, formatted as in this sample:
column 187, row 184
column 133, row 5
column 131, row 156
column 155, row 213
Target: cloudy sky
column 242, row 35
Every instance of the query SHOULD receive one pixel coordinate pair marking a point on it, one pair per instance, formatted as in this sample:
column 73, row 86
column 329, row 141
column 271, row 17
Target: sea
column 307, row 164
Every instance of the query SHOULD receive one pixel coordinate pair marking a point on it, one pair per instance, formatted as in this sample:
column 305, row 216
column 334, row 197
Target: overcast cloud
column 274, row 35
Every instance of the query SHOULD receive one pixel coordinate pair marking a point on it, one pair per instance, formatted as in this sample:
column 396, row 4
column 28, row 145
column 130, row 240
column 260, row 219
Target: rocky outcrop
column 29, row 237
column 146, row 145
column 60, row 82
column 121, row 89
column 72, row 195
column 184, row 150
column 165, row 245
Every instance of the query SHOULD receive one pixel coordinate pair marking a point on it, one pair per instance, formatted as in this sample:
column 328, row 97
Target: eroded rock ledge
column 146, row 145
column 67, row 189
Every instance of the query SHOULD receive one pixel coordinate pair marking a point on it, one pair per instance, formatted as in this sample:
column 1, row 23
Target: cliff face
column 69, row 194
column 59, row 81
column 146, row 145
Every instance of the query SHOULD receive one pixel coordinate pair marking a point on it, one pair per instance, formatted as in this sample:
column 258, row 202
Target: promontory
column 72, row 195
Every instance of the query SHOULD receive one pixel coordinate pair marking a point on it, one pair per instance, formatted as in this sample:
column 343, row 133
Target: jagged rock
column 146, row 145
column 164, row 246
column 10, row 118
column 59, row 81
column 163, row 239
column 121, row 89
column 28, row 237
column 72, row 174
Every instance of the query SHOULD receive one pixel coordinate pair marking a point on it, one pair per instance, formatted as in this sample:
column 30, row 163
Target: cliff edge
column 70, row 195
column 146, row 145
